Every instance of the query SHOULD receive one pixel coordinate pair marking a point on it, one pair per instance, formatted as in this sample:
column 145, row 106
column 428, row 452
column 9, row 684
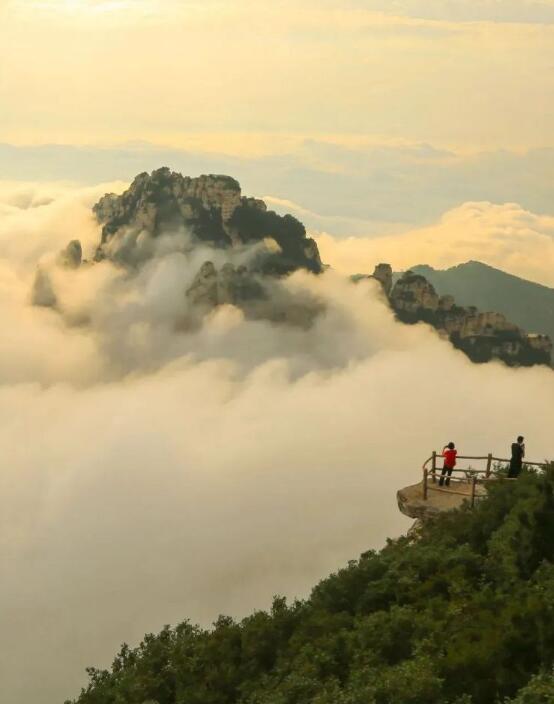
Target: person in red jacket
column 449, row 453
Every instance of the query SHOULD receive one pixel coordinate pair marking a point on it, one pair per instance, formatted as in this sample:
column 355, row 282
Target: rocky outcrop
column 527, row 304
column 209, row 209
column 412, row 504
column 72, row 256
column 481, row 335
column 258, row 297
column 413, row 296
column 229, row 285
column 43, row 294
column 383, row 274
column 165, row 212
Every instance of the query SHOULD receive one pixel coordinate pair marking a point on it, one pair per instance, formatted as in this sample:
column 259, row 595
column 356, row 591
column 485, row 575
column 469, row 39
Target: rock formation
column 259, row 297
column 229, row 285
column 71, row 257
column 413, row 296
column 210, row 209
column 164, row 212
column 383, row 274
column 412, row 504
column 527, row 304
column 481, row 335
column 43, row 294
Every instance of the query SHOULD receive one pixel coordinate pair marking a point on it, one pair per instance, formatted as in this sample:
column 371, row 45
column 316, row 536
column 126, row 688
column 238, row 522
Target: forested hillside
column 462, row 614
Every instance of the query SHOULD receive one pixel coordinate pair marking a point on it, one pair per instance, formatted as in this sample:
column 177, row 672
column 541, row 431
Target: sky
column 150, row 476
column 365, row 118
column 249, row 76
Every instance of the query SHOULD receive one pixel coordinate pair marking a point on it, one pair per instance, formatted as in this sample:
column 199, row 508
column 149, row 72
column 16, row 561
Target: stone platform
column 412, row 504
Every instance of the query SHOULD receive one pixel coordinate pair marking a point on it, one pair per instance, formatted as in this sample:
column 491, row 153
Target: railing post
column 434, row 465
column 425, row 473
column 489, row 465
column 473, row 485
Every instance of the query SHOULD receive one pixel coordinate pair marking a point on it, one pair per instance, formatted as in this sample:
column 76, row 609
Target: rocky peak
column 383, row 274
column 43, row 294
column 210, row 208
column 72, row 256
column 481, row 335
column 413, row 295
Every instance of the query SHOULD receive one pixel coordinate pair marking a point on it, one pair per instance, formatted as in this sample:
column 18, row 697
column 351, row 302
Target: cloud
column 504, row 236
column 383, row 71
column 517, row 11
column 36, row 218
column 151, row 475
column 80, row 8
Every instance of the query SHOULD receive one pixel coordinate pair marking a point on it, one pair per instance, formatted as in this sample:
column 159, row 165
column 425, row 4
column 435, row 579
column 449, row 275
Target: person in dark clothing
column 518, row 453
column 449, row 453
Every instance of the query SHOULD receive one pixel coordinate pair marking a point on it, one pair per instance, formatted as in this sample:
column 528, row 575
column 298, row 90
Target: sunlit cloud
column 83, row 5
column 511, row 11
column 215, row 66
column 505, row 236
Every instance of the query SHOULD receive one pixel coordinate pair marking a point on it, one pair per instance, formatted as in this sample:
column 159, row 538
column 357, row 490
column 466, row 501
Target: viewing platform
column 428, row 498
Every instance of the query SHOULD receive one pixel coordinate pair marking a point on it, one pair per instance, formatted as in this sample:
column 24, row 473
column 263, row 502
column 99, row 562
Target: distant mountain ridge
column 481, row 335
column 527, row 304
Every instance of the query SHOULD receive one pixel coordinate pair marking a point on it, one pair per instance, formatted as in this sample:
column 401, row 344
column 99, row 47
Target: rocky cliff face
column 481, row 335
column 72, row 256
column 229, row 285
column 211, row 209
column 259, row 297
column 412, row 504
column 383, row 274
column 166, row 212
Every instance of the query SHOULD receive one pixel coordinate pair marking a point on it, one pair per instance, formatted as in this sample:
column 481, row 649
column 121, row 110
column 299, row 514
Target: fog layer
column 150, row 475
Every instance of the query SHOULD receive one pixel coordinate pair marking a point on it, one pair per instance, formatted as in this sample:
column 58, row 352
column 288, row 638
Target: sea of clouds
column 151, row 474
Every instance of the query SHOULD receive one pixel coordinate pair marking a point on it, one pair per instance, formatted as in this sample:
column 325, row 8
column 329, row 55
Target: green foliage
column 540, row 690
column 463, row 615
column 254, row 225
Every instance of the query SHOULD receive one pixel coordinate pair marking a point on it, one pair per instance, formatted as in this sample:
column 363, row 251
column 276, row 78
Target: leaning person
column 449, row 453
column 518, row 453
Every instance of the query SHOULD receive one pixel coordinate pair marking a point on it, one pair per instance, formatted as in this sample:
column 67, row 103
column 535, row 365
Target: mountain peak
column 528, row 304
column 482, row 336
column 210, row 208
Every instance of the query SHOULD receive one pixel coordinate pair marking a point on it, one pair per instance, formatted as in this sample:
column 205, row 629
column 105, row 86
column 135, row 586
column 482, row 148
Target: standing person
column 449, row 453
column 518, row 453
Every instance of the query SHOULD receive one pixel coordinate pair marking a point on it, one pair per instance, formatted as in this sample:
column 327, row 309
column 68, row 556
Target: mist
column 152, row 474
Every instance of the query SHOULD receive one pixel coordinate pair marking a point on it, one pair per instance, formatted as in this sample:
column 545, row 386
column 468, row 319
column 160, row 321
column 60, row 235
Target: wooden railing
column 472, row 476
